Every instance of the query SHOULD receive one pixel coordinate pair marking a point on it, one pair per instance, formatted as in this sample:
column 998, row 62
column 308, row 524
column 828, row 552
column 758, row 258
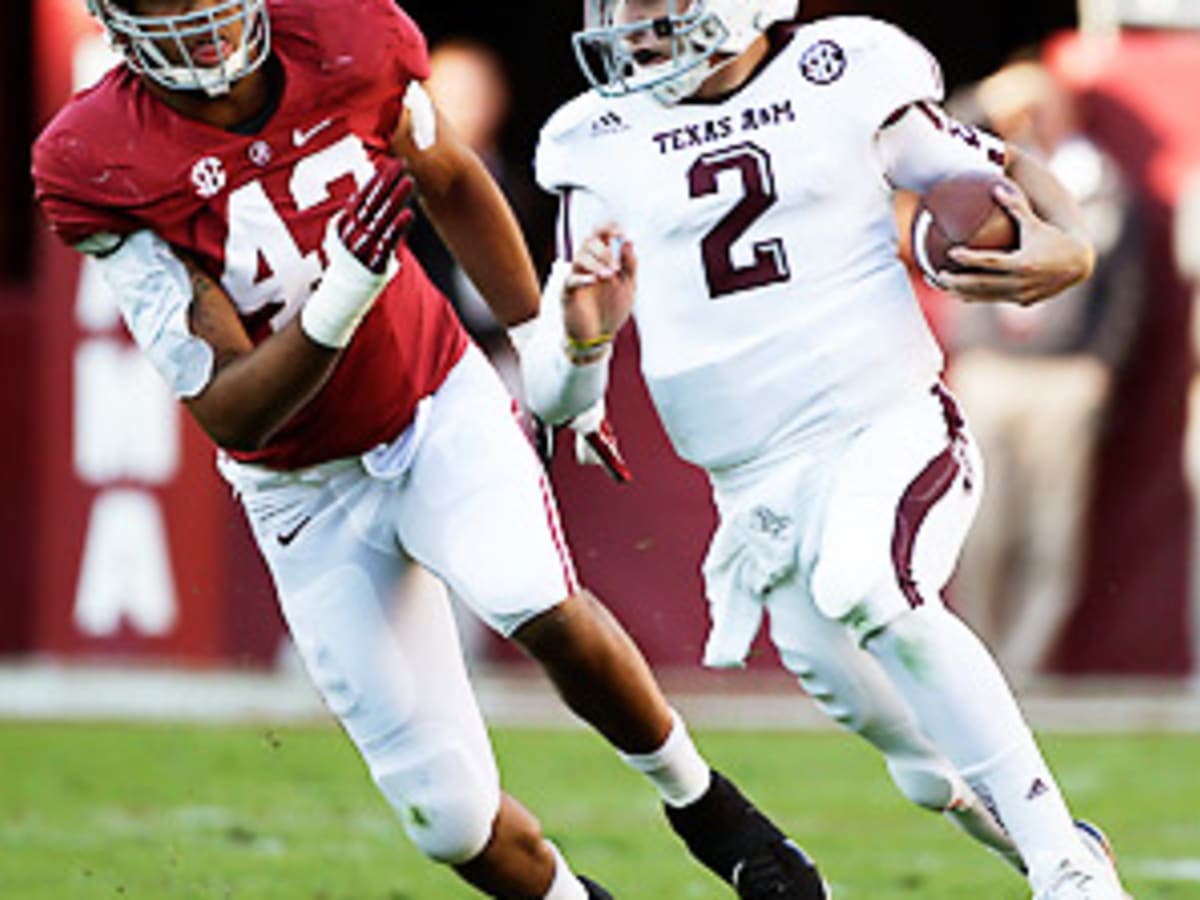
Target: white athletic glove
column 596, row 444
column 361, row 248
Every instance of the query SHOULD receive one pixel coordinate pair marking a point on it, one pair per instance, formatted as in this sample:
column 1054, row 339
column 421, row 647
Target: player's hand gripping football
column 376, row 219
column 1048, row 259
column 599, row 291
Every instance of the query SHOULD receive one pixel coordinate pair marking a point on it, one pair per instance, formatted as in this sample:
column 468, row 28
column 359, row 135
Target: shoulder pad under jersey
column 875, row 67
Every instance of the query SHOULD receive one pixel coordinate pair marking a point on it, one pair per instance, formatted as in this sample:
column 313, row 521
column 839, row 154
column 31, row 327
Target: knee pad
column 445, row 802
column 925, row 783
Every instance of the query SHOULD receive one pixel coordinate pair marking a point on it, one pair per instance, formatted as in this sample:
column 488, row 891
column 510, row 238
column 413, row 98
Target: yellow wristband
column 588, row 351
column 577, row 346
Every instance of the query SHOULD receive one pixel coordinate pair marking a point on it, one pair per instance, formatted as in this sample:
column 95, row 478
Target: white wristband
column 345, row 294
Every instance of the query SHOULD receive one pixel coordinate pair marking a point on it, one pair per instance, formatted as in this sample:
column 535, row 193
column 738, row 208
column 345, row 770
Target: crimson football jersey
column 253, row 209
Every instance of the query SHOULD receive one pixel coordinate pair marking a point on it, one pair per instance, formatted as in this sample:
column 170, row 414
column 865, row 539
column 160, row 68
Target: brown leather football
column 960, row 211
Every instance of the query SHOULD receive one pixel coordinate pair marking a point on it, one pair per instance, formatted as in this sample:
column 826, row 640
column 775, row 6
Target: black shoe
column 729, row 835
column 594, row 891
column 779, row 870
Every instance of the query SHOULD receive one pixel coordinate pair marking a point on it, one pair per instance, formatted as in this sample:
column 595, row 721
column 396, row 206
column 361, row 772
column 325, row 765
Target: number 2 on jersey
column 770, row 265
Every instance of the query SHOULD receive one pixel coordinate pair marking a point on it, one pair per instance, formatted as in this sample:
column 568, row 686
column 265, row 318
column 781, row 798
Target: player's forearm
column 256, row 389
column 479, row 228
column 252, row 390
column 1052, row 202
column 253, row 393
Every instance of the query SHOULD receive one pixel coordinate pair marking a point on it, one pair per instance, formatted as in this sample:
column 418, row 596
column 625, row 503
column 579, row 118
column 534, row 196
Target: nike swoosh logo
column 301, row 136
column 287, row 537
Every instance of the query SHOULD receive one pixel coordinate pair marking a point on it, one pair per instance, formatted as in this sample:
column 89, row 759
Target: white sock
column 676, row 768
column 961, row 700
column 565, row 885
column 1019, row 786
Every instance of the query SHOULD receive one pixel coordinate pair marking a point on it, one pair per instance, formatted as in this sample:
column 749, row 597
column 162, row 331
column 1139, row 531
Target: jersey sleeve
column 62, row 170
column 892, row 70
column 563, row 158
column 925, row 145
column 407, row 44
column 366, row 49
column 565, row 165
column 580, row 212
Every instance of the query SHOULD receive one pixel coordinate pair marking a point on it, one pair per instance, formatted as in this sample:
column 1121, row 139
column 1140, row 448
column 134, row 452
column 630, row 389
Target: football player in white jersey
column 729, row 181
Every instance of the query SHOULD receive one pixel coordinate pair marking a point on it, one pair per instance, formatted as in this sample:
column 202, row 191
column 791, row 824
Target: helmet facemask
column 685, row 34
column 143, row 41
column 694, row 36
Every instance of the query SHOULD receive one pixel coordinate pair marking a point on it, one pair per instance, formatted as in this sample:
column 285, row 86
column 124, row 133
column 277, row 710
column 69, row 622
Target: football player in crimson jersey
column 240, row 182
column 787, row 356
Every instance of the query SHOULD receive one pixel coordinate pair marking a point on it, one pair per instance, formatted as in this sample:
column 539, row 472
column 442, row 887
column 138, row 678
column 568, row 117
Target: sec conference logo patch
column 208, row 177
column 823, row 63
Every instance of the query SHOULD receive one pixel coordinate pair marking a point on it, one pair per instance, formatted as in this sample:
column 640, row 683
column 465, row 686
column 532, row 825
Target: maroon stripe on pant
column 919, row 498
column 552, row 517
column 560, row 542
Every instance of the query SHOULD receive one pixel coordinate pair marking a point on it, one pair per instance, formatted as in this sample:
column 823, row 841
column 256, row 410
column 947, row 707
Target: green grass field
column 199, row 812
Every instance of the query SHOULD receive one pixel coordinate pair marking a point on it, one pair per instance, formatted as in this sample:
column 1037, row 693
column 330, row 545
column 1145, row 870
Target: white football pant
column 462, row 494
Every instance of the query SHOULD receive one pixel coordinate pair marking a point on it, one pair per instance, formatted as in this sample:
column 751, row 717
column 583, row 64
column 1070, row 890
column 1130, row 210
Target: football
column 956, row 212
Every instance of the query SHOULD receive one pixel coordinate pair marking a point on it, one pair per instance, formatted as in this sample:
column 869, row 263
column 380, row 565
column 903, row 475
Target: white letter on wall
column 126, row 571
column 126, row 421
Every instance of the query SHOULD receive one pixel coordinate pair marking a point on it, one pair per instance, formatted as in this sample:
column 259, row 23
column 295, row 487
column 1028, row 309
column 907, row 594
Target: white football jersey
column 772, row 308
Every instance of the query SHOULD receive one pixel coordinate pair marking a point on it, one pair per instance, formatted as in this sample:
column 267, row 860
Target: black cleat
column 594, row 891
column 778, row 870
column 730, row 836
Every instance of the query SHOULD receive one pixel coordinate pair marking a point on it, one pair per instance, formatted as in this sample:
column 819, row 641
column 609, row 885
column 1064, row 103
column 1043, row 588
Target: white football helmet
column 697, row 35
column 141, row 40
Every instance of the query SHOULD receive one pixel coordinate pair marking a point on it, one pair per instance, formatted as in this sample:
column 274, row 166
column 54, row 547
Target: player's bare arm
column 253, row 390
column 1055, row 251
column 469, row 212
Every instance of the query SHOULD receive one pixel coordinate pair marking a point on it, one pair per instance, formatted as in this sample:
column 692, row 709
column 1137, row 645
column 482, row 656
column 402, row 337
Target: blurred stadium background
column 131, row 590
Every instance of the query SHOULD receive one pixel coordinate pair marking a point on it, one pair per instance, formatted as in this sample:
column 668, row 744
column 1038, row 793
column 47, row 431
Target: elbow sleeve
column 153, row 291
